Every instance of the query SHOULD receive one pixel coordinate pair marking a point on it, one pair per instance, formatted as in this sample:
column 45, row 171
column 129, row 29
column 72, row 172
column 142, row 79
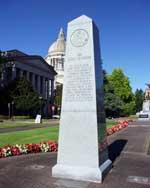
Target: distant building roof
column 16, row 55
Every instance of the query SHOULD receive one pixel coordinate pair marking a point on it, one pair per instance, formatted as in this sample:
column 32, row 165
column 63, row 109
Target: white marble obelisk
column 82, row 152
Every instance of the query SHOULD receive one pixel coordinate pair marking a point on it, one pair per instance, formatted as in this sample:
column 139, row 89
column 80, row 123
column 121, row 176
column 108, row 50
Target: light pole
column 12, row 110
column 53, row 111
column 40, row 98
column 9, row 110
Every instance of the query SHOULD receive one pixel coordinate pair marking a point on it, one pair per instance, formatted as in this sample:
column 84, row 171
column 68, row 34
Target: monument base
column 144, row 116
column 82, row 173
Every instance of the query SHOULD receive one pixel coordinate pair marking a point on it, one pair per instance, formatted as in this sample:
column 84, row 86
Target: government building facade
column 32, row 67
column 45, row 74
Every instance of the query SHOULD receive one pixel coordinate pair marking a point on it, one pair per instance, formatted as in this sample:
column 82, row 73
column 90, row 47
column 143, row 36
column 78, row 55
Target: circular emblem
column 79, row 38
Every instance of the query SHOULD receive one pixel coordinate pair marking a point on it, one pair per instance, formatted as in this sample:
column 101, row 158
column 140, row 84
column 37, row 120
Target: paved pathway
column 127, row 149
column 29, row 127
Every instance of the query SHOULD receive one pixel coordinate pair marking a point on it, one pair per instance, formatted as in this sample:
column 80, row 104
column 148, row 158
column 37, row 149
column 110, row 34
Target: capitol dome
column 56, row 57
column 59, row 45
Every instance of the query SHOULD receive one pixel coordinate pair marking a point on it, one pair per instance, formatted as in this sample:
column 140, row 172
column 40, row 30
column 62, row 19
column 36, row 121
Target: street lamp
column 9, row 110
column 40, row 98
column 12, row 110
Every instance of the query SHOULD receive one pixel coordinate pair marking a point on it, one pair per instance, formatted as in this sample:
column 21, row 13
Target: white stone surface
column 82, row 124
column 145, row 111
column 81, row 173
column 146, row 106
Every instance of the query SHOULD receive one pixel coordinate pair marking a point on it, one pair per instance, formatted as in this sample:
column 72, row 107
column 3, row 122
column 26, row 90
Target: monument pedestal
column 144, row 115
column 82, row 149
column 82, row 173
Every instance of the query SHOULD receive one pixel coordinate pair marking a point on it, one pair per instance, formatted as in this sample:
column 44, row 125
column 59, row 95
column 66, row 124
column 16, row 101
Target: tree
column 139, row 98
column 25, row 98
column 112, row 103
column 121, row 85
column 2, row 62
column 58, row 95
column 123, row 90
column 4, row 100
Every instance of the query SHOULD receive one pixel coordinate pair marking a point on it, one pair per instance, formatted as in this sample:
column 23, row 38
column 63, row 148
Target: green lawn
column 32, row 136
column 110, row 123
column 20, row 123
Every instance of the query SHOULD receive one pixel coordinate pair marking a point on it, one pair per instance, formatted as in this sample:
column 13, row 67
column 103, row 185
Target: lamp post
column 53, row 111
column 40, row 98
column 9, row 110
column 12, row 110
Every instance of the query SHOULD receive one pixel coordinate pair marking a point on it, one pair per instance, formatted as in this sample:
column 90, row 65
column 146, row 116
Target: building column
column 33, row 81
column 52, row 89
column 44, row 87
column 17, row 73
column 54, row 62
column 21, row 73
column 28, row 76
column 3, row 75
column 47, row 88
column 13, row 72
column 38, row 84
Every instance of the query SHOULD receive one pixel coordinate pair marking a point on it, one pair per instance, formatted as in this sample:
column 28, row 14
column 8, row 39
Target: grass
column 12, row 124
column 110, row 123
column 31, row 136
column 20, row 123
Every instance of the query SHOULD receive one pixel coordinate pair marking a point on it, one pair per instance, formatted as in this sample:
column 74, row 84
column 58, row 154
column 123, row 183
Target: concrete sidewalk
column 127, row 149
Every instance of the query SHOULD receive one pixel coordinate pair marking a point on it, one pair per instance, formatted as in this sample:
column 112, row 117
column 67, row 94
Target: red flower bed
column 52, row 146
column 17, row 149
column 118, row 127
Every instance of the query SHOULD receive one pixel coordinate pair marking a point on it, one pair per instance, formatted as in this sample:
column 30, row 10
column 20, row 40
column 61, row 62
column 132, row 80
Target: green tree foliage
column 2, row 62
column 119, row 92
column 4, row 100
column 25, row 98
column 128, row 108
column 58, row 95
column 139, row 98
column 121, row 85
column 112, row 103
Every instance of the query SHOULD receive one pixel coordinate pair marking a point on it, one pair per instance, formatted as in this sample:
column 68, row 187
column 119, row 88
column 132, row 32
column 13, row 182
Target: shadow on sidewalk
column 115, row 149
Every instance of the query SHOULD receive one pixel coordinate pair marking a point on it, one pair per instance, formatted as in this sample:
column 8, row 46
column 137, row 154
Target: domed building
column 56, row 55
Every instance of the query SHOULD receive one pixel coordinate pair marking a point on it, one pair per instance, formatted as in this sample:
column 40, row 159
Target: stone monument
column 145, row 113
column 82, row 151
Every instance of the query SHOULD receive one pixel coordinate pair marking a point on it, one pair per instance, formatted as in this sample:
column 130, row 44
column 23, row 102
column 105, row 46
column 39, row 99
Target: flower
column 19, row 149
column 118, row 127
column 15, row 150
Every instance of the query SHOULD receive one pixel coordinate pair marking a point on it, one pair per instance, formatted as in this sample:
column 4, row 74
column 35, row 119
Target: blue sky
column 32, row 25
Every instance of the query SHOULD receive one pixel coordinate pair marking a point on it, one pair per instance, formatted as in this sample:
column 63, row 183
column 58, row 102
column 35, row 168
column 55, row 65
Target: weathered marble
column 146, row 106
column 145, row 113
column 82, row 152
